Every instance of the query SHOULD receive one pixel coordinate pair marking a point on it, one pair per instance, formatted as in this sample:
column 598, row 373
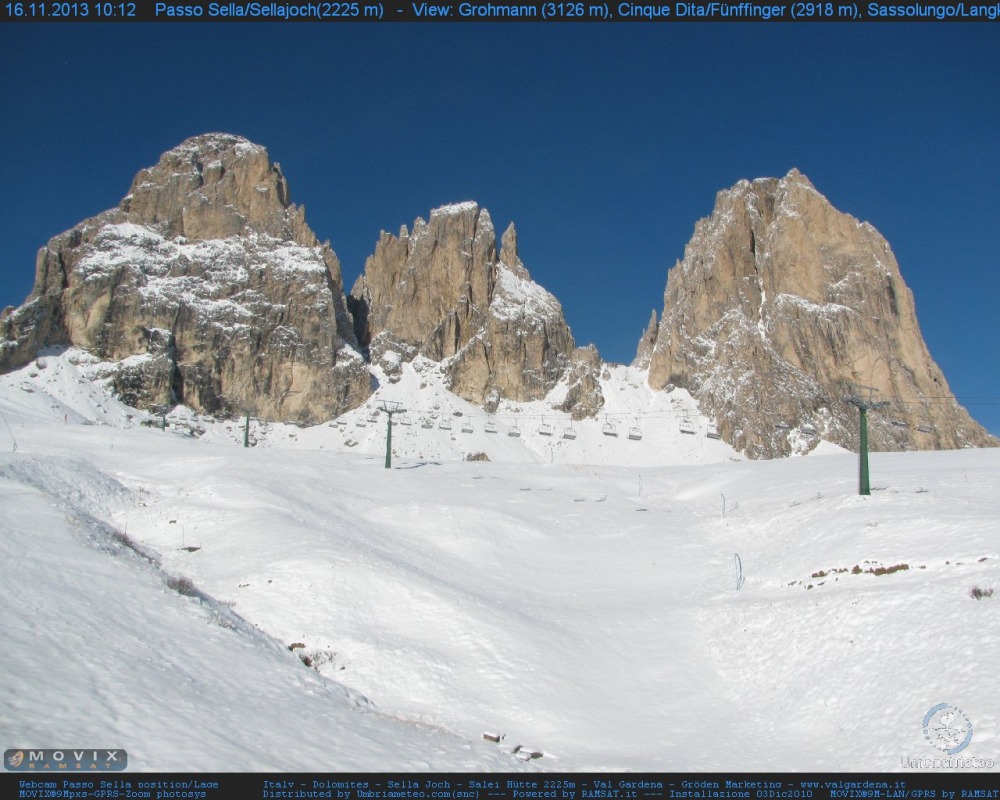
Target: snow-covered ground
column 611, row 604
column 637, row 427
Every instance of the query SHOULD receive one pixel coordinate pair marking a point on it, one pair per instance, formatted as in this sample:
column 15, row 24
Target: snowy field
column 297, row 606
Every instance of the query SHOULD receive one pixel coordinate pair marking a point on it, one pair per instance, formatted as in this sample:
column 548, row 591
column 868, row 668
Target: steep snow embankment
column 649, row 428
column 103, row 649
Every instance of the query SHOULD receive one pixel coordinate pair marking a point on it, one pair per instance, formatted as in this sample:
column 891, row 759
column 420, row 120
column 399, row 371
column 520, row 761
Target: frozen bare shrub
column 182, row 585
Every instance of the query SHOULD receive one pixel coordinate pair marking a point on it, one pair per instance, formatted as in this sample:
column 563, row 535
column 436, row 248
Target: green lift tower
column 855, row 398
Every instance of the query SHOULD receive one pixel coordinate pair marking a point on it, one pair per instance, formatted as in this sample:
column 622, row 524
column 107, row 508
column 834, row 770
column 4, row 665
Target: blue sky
column 604, row 143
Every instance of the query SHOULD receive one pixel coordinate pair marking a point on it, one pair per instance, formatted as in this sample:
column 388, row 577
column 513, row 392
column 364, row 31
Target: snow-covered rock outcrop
column 780, row 305
column 445, row 292
column 206, row 287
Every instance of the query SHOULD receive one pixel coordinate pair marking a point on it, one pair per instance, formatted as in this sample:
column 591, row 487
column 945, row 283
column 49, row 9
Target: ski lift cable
column 524, row 416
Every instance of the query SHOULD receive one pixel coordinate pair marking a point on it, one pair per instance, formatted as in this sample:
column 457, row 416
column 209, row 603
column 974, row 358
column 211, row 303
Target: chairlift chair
column 514, row 431
column 405, row 420
column 609, row 429
column 783, row 426
column 687, row 427
column 635, row 432
column 467, row 427
column 426, row 423
column 569, row 432
column 713, row 431
column 360, row 422
column 925, row 425
column 445, row 424
column 809, row 430
column 545, row 429
column 490, row 427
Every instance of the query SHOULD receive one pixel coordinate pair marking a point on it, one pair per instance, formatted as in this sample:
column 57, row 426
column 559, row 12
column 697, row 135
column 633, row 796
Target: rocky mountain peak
column 215, row 186
column 509, row 257
column 445, row 292
column 780, row 305
column 204, row 286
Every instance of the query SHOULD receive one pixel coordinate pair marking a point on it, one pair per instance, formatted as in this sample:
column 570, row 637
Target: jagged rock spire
column 444, row 292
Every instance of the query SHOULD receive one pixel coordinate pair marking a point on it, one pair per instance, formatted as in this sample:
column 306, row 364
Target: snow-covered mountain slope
column 646, row 425
column 205, row 286
column 589, row 612
column 639, row 426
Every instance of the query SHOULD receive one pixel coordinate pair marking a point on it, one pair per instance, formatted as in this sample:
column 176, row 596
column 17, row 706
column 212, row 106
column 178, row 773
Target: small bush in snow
column 224, row 621
column 316, row 659
column 182, row 586
column 979, row 594
column 887, row 570
column 123, row 539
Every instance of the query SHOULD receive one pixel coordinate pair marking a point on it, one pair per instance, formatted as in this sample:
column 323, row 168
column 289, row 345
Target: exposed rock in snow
column 644, row 351
column 780, row 305
column 206, row 268
column 206, row 287
column 444, row 292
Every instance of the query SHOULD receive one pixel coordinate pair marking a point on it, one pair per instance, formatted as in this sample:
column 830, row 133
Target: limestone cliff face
column 780, row 304
column 204, row 286
column 445, row 292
